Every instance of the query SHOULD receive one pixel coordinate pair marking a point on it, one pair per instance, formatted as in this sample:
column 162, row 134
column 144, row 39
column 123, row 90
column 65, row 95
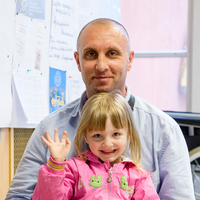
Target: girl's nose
column 107, row 143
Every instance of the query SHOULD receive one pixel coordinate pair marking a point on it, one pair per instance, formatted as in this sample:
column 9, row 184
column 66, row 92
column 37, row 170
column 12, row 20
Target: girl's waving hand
column 59, row 150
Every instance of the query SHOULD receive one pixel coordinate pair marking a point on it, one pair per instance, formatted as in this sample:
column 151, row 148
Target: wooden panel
column 20, row 140
column 4, row 163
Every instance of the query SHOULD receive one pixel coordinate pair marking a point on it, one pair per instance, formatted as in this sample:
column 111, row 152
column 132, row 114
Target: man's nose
column 102, row 63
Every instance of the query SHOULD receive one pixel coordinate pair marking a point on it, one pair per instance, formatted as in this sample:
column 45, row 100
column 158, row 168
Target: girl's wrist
column 56, row 165
column 58, row 159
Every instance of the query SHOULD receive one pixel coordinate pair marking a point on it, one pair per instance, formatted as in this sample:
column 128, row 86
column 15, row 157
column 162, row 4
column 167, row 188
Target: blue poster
column 57, row 89
column 31, row 8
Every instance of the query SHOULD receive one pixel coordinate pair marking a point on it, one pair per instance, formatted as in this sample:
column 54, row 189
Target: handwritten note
column 63, row 33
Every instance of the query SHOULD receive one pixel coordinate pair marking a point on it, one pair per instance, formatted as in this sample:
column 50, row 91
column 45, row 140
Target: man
column 103, row 57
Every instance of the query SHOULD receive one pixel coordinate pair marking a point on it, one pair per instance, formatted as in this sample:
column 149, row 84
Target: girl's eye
column 115, row 134
column 97, row 136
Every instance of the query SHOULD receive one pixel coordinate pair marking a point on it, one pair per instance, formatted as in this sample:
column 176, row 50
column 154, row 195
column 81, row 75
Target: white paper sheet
column 75, row 88
column 7, row 29
column 5, row 100
column 31, row 91
column 64, row 28
column 29, row 44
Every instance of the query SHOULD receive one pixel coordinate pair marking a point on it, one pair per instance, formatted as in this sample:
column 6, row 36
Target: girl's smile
column 109, row 144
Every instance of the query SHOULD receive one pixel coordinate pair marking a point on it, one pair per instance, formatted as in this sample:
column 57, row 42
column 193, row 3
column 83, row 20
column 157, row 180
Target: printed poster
column 31, row 8
column 57, row 89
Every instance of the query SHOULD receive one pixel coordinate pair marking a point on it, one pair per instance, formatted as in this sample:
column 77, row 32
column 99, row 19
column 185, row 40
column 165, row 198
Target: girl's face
column 108, row 144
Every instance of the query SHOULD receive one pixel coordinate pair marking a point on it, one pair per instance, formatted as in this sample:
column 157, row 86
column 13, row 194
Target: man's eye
column 115, row 134
column 91, row 55
column 97, row 136
column 112, row 53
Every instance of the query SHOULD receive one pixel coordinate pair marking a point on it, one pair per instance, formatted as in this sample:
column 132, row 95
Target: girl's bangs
column 97, row 121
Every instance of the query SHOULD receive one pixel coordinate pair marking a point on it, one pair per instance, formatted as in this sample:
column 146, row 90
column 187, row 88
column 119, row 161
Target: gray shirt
column 164, row 150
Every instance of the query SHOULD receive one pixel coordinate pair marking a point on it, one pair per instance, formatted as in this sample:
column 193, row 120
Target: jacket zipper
column 109, row 180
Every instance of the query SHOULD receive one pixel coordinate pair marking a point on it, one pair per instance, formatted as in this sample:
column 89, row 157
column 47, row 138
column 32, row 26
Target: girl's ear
column 128, row 136
column 85, row 137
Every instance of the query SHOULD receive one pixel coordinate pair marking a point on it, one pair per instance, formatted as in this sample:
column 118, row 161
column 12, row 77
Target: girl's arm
column 52, row 183
column 145, row 189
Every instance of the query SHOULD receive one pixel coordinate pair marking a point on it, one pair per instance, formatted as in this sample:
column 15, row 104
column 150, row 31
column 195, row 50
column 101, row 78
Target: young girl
column 102, row 172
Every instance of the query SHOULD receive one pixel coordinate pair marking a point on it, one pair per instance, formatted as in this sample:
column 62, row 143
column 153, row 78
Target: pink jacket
column 77, row 179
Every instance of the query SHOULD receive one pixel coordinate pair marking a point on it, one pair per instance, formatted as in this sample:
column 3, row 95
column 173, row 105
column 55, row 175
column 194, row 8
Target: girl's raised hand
column 59, row 150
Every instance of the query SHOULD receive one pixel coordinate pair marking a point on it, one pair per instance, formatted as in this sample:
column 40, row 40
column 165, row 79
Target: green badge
column 95, row 182
column 124, row 183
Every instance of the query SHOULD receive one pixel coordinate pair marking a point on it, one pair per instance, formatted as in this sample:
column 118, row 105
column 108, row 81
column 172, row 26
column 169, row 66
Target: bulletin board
column 38, row 73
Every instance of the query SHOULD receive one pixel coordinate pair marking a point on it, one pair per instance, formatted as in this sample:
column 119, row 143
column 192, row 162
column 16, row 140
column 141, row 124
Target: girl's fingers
column 48, row 137
column 64, row 136
column 49, row 141
column 45, row 141
column 68, row 141
column 56, row 138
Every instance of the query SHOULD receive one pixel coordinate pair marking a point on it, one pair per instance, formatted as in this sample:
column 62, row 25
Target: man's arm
column 26, row 175
column 175, row 171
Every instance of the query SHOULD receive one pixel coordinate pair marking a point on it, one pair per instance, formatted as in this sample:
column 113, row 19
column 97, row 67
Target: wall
column 157, row 26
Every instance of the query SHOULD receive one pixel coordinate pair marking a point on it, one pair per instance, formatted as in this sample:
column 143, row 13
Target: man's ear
column 131, row 56
column 76, row 56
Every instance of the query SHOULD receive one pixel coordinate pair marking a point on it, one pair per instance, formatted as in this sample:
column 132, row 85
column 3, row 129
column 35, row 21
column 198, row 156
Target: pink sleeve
column 52, row 182
column 145, row 189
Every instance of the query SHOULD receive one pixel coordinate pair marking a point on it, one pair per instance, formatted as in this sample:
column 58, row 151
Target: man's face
column 103, row 58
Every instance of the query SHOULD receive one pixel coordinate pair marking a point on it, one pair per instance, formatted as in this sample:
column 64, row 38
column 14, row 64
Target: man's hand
column 59, row 150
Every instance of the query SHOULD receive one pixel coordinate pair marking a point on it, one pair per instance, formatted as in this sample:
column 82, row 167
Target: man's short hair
column 106, row 21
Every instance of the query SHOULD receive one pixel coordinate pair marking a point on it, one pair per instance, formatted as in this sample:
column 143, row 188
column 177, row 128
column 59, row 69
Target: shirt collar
column 78, row 108
column 128, row 94
column 79, row 105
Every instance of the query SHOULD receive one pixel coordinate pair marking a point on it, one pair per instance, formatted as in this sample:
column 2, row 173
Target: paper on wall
column 63, row 33
column 29, row 44
column 31, row 91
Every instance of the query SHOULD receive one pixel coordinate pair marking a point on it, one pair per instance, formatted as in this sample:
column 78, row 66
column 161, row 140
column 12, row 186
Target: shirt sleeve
column 175, row 170
column 55, row 181
column 144, row 188
column 164, row 152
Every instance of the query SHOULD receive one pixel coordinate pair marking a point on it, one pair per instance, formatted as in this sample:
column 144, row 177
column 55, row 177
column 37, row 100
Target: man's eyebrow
column 114, row 48
column 89, row 49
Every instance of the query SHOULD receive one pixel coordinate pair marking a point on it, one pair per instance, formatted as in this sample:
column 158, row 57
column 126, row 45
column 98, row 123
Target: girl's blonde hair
column 94, row 116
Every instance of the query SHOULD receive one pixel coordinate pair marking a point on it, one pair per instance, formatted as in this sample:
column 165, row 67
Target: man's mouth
column 102, row 77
